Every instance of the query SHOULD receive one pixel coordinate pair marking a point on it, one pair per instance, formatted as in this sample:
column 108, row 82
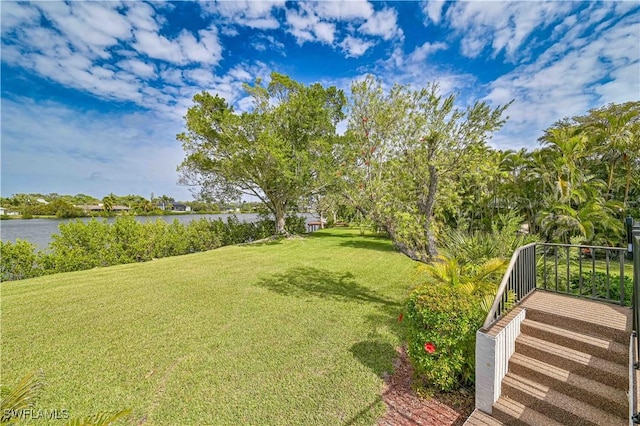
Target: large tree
column 409, row 144
column 277, row 152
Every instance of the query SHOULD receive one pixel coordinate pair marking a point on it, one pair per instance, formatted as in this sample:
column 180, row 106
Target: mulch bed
column 406, row 408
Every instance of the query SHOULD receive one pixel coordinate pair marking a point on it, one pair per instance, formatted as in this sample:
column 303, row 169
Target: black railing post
column 635, row 233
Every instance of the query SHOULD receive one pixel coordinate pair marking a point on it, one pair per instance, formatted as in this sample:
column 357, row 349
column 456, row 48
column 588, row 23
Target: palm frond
column 21, row 397
column 100, row 419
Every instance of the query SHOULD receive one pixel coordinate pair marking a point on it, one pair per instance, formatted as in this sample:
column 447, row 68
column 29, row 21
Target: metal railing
column 519, row 280
column 591, row 272
column 585, row 271
column 633, row 391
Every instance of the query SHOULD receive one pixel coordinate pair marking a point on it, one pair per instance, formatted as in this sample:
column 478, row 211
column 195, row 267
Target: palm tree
column 109, row 202
column 615, row 135
column 472, row 279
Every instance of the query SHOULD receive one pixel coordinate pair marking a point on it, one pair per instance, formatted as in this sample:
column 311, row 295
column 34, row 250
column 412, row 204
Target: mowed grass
column 295, row 332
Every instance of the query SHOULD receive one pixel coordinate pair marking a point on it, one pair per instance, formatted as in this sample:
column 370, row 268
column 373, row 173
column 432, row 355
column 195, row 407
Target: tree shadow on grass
column 309, row 281
column 376, row 355
column 369, row 245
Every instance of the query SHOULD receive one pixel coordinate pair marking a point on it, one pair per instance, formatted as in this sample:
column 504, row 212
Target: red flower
column 430, row 347
column 400, row 317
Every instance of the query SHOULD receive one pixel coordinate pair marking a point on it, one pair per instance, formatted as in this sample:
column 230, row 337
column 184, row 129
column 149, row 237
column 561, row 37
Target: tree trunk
column 280, row 222
column 404, row 248
column 627, row 186
column 426, row 208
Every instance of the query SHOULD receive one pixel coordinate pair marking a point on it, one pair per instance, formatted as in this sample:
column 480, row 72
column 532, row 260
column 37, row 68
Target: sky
column 94, row 93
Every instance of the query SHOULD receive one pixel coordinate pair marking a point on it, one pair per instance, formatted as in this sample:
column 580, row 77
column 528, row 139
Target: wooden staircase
column 570, row 366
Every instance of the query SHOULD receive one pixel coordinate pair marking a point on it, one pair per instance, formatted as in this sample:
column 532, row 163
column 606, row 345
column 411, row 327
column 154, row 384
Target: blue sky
column 93, row 93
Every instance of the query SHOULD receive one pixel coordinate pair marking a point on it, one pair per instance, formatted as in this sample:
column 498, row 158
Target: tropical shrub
column 18, row 260
column 441, row 334
column 444, row 314
column 500, row 241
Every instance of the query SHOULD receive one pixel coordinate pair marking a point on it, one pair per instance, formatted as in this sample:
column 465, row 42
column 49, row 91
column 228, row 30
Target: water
column 39, row 231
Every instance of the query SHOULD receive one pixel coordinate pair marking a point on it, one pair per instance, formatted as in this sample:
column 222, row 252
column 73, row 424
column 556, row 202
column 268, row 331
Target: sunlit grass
column 295, row 332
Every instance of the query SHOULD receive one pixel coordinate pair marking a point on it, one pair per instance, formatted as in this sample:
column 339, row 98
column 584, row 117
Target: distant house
column 173, row 206
column 177, row 207
column 6, row 212
column 100, row 207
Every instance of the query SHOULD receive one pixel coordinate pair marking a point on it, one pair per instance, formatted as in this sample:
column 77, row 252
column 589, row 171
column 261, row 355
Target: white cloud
column 383, row 24
column 142, row 16
column 318, row 22
column 433, row 10
column 345, row 10
column 569, row 78
column 306, row 26
column 252, row 14
column 502, row 26
column 183, row 50
column 14, row 14
column 138, row 68
column 355, row 47
column 422, row 52
column 269, row 42
column 49, row 147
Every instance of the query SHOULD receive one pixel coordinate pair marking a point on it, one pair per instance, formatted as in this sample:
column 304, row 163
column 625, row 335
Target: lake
column 39, row 231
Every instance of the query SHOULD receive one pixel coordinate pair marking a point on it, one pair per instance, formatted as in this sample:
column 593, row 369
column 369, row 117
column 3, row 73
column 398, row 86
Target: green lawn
column 294, row 332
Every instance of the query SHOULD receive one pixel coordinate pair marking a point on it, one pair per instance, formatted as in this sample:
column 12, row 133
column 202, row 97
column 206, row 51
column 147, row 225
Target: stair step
column 598, row 394
column 583, row 364
column 554, row 404
column 478, row 418
column 600, row 319
column 602, row 348
column 511, row 412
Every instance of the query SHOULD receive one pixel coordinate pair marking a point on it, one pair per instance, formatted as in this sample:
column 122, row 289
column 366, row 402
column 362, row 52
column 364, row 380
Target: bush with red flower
column 442, row 323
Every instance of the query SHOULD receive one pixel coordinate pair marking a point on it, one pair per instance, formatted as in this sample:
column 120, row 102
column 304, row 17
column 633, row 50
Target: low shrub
column 599, row 281
column 83, row 245
column 442, row 324
column 19, row 260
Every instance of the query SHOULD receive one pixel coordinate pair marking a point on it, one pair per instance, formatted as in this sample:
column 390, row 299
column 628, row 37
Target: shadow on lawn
column 376, row 355
column 376, row 244
column 308, row 281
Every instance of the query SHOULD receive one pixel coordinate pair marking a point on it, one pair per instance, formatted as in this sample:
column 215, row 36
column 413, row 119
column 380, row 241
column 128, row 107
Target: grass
column 294, row 332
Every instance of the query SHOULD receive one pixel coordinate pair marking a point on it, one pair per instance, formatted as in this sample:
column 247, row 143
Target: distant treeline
column 81, row 245
column 69, row 206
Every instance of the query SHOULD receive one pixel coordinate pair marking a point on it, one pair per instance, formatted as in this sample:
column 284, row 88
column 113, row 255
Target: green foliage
column 83, row 245
column 594, row 284
column 19, row 260
column 278, row 152
column 18, row 400
column 476, row 247
column 100, row 419
column 58, row 207
column 402, row 148
column 447, row 309
column 21, row 397
column 446, row 317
